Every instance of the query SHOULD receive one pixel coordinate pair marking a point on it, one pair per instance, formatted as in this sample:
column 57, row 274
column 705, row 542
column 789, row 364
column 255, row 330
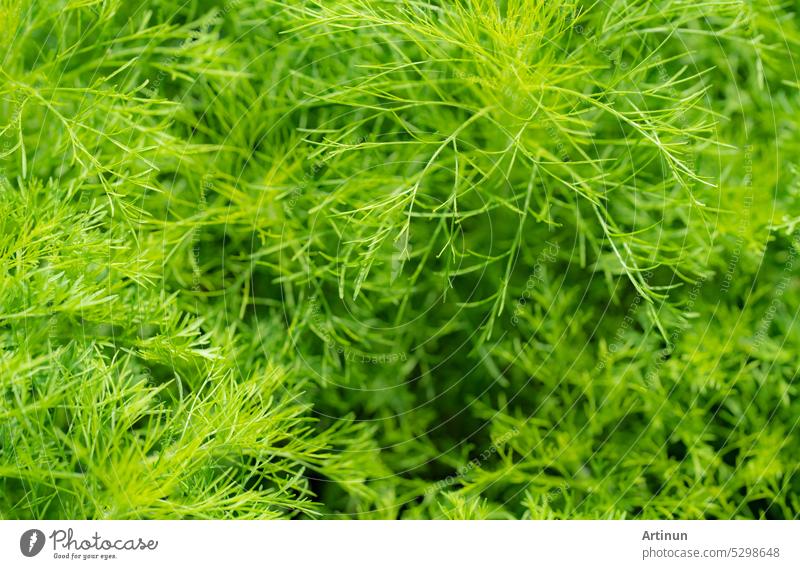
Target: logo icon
column 31, row 542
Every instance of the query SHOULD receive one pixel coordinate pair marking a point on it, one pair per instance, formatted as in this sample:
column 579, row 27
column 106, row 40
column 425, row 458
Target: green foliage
column 395, row 259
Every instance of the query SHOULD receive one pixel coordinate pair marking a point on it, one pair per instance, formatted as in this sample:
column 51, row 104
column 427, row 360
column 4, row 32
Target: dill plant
column 262, row 259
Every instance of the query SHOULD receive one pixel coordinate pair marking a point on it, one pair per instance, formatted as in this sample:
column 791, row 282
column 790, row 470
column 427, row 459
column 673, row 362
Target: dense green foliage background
column 395, row 259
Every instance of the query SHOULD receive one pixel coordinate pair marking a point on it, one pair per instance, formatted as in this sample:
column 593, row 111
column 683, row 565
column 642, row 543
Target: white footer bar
column 416, row 544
